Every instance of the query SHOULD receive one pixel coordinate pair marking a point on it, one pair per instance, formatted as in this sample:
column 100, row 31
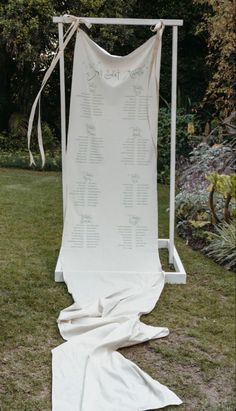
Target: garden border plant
column 206, row 213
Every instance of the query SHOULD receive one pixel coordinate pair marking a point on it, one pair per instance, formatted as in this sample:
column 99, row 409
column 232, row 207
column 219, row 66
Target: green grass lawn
column 196, row 360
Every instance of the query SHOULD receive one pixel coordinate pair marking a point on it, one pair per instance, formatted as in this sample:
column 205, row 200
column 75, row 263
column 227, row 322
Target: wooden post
column 63, row 116
column 173, row 143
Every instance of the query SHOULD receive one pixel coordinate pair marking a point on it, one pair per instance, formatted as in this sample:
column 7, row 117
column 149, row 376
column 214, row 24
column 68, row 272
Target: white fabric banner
column 109, row 252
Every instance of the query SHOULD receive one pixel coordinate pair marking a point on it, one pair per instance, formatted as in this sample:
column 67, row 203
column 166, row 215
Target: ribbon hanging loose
column 68, row 35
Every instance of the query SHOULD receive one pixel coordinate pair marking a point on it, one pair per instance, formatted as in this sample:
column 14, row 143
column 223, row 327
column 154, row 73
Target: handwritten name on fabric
column 109, row 254
column 94, row 71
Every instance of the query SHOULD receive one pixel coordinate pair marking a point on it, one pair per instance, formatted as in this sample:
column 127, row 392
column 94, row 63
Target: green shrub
column 18, row 124
column 205, row 159
column 185, row 140
column 16, row 140
column 10, row 143
column 192, row 207
column 196, row 212
column 193, row 217
column 50, row 141
column 225, row 185
column 20, row 159
column 222, row 245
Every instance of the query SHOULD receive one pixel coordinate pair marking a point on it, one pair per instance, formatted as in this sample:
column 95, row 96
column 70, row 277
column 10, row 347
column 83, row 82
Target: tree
column 25, row 43
column 218, row 26
column 28, row 39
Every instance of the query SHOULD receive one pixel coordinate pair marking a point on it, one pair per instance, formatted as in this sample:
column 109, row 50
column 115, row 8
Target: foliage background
column 28, row 38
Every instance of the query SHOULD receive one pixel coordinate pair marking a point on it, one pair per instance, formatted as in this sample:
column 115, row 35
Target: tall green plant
column 18, row 124
column 184, row 139
column 222, row 245
column 226, row 186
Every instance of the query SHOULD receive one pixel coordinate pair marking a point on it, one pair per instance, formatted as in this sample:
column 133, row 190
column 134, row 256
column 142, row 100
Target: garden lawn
column 196, row 360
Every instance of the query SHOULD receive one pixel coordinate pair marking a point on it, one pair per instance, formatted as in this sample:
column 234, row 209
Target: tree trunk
column 215, row 219
column 227, row 215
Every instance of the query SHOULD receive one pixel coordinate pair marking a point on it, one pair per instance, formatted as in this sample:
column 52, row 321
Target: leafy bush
column 222, row 245
column 197, row 212
column 184, row 139
column 204, row 160
column 10, row 143
column 16, row 140
column 225, row 185
column 192, row 207
column 49, row 138
column 20, row 159
column 18, row 124
column 221, row 130
column 193, row 217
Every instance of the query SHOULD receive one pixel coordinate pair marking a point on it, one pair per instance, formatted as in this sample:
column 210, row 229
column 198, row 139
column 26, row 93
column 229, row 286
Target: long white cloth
column 109, row 255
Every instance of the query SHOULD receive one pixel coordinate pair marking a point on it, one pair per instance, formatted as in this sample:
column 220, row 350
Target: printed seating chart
column 111, row 212
column 109, row 256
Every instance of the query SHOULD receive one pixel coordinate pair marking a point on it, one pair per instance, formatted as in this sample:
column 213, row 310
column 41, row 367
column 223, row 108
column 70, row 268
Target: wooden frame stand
column 179, row 276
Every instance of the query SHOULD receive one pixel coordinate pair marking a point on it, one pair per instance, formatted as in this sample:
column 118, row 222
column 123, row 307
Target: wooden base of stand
column 172, row 277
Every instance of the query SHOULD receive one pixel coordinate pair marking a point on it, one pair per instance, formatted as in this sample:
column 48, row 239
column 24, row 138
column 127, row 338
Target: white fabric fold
column 89, row 374
column 109, row 255
column 157, row 27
